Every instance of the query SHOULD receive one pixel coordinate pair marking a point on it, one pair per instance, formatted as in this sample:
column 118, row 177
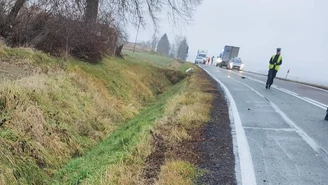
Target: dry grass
column 176, row 173
column 58, row 112
column 56, row 119
column 175, row 65
column 61, row 110
column 187, row 109
column 129, row 171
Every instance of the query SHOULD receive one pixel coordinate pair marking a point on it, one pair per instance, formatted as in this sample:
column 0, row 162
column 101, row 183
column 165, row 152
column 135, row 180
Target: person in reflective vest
column 274, row 65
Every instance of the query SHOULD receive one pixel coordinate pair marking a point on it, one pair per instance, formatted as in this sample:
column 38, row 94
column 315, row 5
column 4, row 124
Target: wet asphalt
column 286, row 133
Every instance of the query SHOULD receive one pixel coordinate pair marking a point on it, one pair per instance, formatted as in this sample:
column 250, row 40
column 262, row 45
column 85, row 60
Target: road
column 280, row 134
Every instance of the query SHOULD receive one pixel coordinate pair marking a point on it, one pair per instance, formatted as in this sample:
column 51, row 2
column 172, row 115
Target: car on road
column 218, row 61
column 236, row 63
column 200, row 59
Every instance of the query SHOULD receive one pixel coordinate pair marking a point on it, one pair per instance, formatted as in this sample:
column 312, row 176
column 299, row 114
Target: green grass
column 116, row 74
column 159, row 60
column 187, row 65
column 36, row 56
column 156, row 59
column 67, row 107
column 117, row 146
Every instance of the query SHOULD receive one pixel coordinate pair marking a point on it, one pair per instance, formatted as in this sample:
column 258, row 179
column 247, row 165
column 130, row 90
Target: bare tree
column 154, row 41
column 9, row 20
column 177, row 40
column 14, row 11
column 86, row 29
column 173, row 51
column 136, row 11
column 91, row 11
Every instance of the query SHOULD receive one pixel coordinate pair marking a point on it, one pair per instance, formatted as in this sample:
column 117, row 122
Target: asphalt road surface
column 280, row 134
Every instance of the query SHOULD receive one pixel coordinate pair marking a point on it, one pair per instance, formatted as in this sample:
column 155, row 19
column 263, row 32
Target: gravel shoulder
column 216, row 147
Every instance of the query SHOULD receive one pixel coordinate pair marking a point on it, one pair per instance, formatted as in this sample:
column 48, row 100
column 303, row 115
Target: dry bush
column 59, row 29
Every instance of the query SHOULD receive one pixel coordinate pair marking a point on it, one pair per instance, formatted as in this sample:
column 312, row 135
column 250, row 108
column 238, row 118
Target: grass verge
column 116, row 147
column 59, row 110
column 157, row 159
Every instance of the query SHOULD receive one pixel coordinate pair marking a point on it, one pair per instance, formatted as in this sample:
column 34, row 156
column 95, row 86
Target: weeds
column 59, row 112
column 181, row 113
column 177, row 172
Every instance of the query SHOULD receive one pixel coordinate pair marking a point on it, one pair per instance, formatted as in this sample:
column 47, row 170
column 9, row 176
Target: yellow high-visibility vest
column 276, row 64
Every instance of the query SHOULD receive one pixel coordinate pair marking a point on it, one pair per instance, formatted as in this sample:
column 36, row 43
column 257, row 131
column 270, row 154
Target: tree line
column 178, row 49
column 86, row 29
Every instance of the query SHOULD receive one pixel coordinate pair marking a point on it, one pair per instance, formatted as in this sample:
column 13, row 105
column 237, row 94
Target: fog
column 258, row 27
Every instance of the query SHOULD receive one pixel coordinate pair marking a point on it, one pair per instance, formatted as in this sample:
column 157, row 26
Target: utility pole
column 135, row 42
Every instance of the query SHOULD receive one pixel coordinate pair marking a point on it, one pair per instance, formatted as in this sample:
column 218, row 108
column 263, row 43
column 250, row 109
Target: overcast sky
column 258, row 27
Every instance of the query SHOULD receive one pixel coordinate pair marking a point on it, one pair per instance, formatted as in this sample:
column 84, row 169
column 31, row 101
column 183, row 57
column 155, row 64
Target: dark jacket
column 275, row 60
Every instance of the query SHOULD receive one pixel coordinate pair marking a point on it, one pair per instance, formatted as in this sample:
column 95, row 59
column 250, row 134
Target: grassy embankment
column 72, row 122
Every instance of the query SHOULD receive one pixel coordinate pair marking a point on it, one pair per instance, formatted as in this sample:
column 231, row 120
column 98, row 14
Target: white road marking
column 313, row 102
column 272, row 129
column 316, row 88
column 287, row 91
column 245, row 158
column 316, row 102
column 298, row 130
column 324, row 108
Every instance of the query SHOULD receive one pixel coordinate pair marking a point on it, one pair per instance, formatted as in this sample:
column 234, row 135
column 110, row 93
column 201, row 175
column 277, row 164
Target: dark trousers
column 271, row 75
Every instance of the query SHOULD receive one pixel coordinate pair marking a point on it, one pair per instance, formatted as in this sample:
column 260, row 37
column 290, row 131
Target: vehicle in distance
column 229, row 52
column 218, row 60
column 236, row 63
column 201, row 57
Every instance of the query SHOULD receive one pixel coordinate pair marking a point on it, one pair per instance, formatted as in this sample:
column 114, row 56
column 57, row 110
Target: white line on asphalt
column 306, row 137
column 256, row 80
column 298, row 130
column 272, row 129
column 318, row 104
column 316, row 88
column 311, row 102
column 287, row 91
column 245, row 158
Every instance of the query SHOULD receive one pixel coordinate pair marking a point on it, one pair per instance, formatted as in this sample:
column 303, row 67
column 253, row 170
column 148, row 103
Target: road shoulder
column 216, row 146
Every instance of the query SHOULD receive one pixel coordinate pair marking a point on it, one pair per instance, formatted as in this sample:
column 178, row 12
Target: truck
column 201, row 57
column 228, row 53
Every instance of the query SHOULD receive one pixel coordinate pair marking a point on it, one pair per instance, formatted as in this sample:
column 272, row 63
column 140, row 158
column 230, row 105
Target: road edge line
column 310, row 141
column 244, row 153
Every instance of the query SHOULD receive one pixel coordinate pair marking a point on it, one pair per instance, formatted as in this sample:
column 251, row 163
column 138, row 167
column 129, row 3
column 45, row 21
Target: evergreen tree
column 163, row 46
column 183, row 50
